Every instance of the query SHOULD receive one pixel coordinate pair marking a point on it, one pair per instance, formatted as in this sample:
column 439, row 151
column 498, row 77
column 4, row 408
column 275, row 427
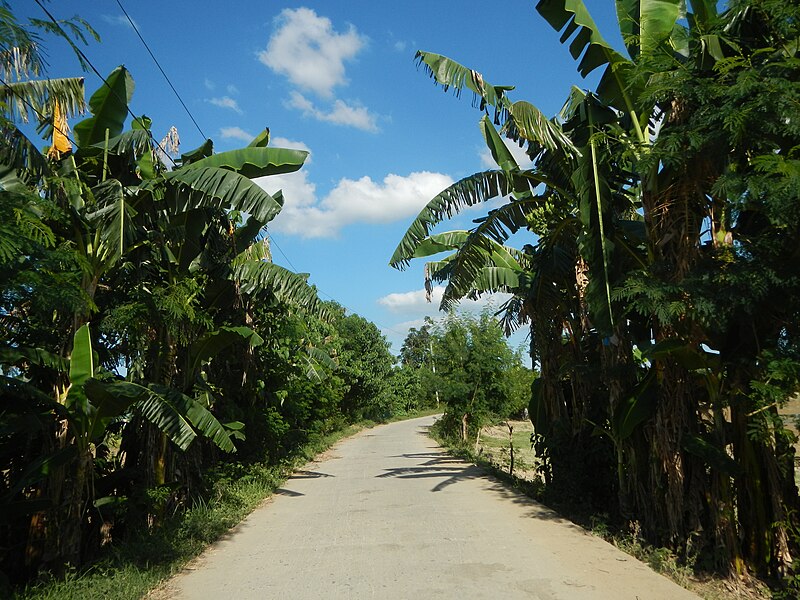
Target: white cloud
column 306, row 49
column 282, row 142
column 210, row 85
column 400, row 46
column 232, row 89
column 119, row 20
column 236, row 133
column 415, row 303
column 412, row 302
column 523, row 160
column 351, row 201
column 226, row 102
column 341, row 113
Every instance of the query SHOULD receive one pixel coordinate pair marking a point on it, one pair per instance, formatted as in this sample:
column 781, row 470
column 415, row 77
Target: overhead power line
column 155, row 60
column 103, row 79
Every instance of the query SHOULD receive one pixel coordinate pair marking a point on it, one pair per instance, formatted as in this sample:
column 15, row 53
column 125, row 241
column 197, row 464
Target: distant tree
column 365, row 365
column 473, row 364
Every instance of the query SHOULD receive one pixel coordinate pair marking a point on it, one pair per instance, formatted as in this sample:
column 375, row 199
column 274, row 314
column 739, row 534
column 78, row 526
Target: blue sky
column 337, row 79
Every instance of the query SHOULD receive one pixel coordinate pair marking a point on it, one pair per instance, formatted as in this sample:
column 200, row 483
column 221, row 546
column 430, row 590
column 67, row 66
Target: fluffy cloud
column 415, row 303
column 351, row 201
column 235, row 133
column 306, row 49
column 412, row 302
column 226, row 102
column 282, row 142
column 341, row 113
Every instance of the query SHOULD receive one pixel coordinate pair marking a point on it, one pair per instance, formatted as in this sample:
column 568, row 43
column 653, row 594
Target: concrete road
column 389, row 515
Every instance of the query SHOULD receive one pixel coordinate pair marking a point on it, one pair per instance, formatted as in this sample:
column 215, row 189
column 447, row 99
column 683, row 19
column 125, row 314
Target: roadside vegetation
column 660, row 278
column 159, row 374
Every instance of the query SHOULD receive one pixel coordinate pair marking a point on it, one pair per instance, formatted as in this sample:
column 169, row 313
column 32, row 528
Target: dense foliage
column 463, row 364
column 146, row 335
column 661, row 279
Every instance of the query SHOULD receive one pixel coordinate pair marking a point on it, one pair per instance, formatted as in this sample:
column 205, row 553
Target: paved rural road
column 389, row 515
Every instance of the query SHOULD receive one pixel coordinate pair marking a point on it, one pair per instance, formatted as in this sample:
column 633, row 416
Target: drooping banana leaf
column 440, row 242
column 520, row 120
column 134, row 141
column 286, row 286
column 318, row 363
column 592, row 51
column 16, row 355
column 178, row 416
column 219, row 188
column 114, row 218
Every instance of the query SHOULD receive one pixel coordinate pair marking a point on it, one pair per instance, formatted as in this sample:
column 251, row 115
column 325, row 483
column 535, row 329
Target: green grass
column 131, row 568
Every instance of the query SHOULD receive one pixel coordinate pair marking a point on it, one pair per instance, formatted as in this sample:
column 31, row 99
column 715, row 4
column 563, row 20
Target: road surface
column 387, row 514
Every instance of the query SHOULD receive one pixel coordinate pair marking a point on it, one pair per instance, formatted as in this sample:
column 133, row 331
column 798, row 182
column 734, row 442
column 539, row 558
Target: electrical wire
column 85, row 58
column 155, row 60
column 103, row 79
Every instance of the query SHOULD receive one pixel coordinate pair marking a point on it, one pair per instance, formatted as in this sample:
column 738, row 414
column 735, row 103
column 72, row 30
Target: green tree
column 365, row 366
column 473, row 367
column 645, row 198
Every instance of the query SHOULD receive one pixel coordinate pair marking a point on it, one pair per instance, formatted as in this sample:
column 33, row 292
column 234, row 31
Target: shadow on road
column 454, row 470
column 301, row 474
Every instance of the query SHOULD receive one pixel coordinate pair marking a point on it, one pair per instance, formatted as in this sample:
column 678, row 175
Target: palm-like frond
column 38, row 96
column 466, row 192
column 286, row 286
column 521, row 120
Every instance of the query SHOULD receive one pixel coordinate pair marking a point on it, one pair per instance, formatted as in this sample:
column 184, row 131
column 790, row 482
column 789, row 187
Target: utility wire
column 103, row 79
column 155, row 60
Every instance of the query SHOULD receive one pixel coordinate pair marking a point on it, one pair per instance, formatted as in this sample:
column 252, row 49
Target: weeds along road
column 389, row 515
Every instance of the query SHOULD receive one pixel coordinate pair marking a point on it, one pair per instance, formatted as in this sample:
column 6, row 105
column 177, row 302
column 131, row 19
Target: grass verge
column 133, row 567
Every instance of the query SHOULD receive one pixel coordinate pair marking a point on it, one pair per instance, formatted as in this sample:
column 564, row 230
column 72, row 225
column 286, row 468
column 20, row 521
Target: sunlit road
column 389, row 515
